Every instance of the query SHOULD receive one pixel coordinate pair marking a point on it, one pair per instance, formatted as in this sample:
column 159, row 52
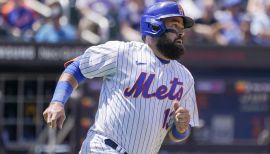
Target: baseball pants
column 96, row 143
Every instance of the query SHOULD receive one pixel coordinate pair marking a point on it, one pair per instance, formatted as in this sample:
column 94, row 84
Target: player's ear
column 143, row 38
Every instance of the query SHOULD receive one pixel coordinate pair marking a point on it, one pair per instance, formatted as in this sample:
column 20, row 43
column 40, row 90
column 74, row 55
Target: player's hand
column 182, row 118
column 54, row 115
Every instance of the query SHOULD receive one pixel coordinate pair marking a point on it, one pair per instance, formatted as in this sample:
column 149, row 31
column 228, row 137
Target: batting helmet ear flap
column 152, row 26
column 155, row 28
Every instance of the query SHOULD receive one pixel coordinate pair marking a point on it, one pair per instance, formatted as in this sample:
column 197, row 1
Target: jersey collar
column 163, row 61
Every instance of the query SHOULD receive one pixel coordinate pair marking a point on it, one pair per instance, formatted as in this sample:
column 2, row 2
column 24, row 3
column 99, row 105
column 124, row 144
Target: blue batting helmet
column 151, row 20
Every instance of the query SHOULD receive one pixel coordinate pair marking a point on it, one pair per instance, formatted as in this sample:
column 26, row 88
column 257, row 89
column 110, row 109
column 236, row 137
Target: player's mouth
column 179, row 41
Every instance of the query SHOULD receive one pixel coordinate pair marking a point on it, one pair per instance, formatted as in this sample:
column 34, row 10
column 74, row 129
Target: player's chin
column 175, row 55
column 180, row 51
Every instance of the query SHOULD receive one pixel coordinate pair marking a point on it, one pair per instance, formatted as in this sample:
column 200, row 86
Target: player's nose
column 181, row 34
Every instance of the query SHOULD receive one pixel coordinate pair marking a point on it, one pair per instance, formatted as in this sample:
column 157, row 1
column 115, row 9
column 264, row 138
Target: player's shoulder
column 130, row 43
column 136, row 44
column 105, row 48
column 184, row 69
column 133, row 47
column 123, row 45
column 113, row 45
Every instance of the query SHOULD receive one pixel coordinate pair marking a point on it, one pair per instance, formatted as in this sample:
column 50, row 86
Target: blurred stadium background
column 228, row 53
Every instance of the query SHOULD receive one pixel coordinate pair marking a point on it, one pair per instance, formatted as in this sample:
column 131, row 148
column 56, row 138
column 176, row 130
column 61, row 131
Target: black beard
column 169, row 48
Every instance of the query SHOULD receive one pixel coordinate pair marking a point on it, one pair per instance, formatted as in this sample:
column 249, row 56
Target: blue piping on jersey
column 163, row 61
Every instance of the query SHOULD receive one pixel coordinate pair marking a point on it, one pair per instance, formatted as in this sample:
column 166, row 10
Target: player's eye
column 176, row 25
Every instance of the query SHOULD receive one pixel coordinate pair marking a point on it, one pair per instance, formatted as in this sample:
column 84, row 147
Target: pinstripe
column 128, row 47
column 159, row 118
column 153, row 102
column 85, row 65
column 139, row 121
column 149, row 143
column 91, row 69
column 101, row 73
column 119, row 99
column 106, row 107
column 191, row 103
column 127, row 84
column 159, row 113
column 194, row 108
column 135, row 104
column 131, row 124
column 183, row 78
column 167, row 77
column 156, row 104
column 111, row 116
column 193, row 112
column 144, row 102
column 103, row 100
column 118, row 109
column 85, row 61
column 119, row 87
column 149, row 103
column 97, row 66
column 101, row 114
column 156, row 61
column 113, row 124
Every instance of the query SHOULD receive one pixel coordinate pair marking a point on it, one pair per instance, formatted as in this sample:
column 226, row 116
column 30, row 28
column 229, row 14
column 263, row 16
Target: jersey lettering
column 143, row 83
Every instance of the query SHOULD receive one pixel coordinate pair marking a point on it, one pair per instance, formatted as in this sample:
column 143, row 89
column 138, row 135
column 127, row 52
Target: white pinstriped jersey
column 136, row 100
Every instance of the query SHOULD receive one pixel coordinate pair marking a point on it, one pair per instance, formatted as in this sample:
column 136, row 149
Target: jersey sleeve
column 100, row 61
column 189, row 102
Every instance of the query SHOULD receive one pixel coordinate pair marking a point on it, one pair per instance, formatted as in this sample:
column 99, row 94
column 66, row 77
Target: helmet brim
column 188, row 22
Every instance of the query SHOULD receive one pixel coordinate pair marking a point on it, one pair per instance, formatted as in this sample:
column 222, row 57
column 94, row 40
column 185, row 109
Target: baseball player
column 146, row 92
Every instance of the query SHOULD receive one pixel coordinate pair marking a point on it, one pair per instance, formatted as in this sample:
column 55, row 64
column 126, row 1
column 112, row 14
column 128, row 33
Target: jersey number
column 167, row 118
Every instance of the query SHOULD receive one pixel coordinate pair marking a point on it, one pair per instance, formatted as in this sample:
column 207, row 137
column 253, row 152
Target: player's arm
column 54, row 115
column 180, row 129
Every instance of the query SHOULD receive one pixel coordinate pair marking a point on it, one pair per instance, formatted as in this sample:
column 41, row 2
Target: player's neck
column 151, row 43
column 158, row 53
